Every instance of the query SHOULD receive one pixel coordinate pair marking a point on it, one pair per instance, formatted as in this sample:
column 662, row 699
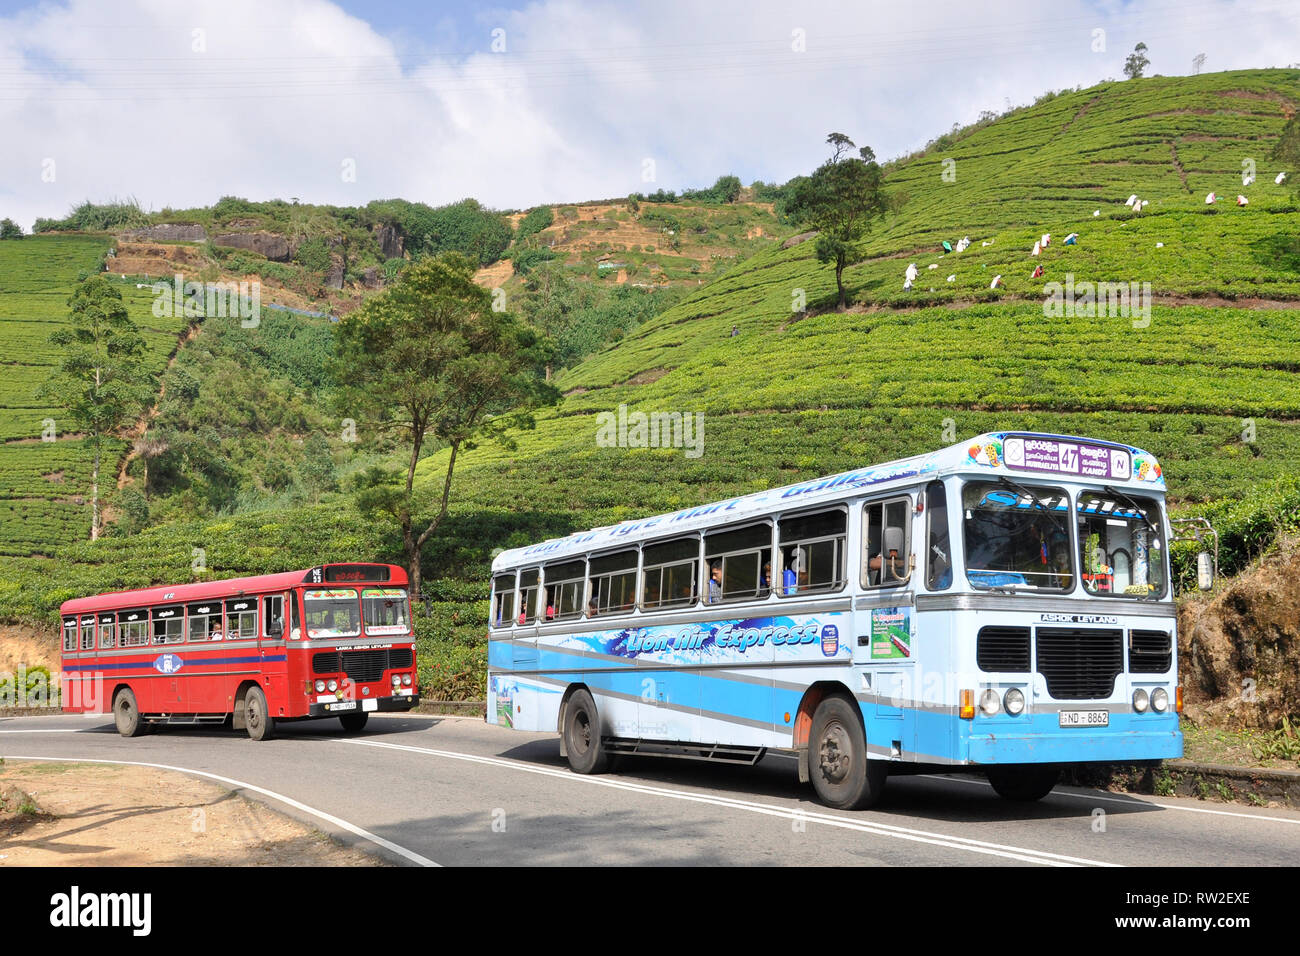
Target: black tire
column 353, row 722
column 257, row 717
column 841, row 774
column 1023, row 783
column 126, row 714
column 582, row 741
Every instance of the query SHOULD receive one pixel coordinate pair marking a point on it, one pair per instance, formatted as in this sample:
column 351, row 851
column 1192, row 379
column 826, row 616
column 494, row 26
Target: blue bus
column 1002, row 605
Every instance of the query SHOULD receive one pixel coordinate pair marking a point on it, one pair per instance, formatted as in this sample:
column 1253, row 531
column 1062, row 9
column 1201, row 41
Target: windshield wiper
column 1115, row 492
column 1028, row 493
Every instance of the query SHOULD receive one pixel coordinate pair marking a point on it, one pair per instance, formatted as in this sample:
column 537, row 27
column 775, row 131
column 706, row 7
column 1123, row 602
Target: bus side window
column 671, row 568
column 812, row 552
column 938, row 548
column 273, row 616
column 295, row 617
column 528, row 587
column 70, row 634
column 886, row 559
column 503, row 600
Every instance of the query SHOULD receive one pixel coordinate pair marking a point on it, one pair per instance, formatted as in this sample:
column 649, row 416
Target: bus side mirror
column 1204, row 571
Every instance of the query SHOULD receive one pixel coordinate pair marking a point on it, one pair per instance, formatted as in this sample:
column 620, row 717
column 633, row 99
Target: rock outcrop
column 390, row 241
column 276, row 248
column 169, row 232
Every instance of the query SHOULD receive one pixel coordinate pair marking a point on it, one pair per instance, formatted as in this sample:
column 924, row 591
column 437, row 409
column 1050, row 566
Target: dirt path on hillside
column 94, row 815
column 24, row 646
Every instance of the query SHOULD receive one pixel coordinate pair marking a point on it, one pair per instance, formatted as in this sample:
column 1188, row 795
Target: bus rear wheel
column 126, row 715
column 841, row 774
column 1023, row 783
column 582, row 741
column 257, row 717
column 353, row 722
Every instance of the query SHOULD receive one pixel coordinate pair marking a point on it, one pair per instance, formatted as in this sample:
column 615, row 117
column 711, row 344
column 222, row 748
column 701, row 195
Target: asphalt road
column 457, row 792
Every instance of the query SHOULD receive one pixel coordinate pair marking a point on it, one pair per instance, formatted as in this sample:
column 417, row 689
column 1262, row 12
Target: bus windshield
column 332, row 612
column 1016, row 537
column 1120, row 546
column 385, row 610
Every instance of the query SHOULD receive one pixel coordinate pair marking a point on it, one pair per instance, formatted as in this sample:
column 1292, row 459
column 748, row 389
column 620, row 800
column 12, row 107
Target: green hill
column 1209, row 384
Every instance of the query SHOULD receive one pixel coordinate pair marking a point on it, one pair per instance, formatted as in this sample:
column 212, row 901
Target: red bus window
column 205, row 621
column 107, row 631
column 241, row 618
column 88, row 633
column 168, row 624
column 385, row 611
column 273, row 616
column 133, row 628
column 70, row 634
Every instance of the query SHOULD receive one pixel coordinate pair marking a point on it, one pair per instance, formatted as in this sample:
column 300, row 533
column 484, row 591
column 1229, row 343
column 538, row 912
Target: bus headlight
column 333, row 686
column 1160, row 700
column 989, row 702
column 1140, row 701
column 406, row 679
column 1014, row 702
column 320, row 687
column 397, row 680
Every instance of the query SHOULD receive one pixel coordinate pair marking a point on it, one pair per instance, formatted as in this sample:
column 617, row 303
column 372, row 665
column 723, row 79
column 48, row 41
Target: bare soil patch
column 94, row 815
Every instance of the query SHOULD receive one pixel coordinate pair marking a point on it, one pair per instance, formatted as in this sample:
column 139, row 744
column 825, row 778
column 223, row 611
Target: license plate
column 1085, row 718
column 344, row 705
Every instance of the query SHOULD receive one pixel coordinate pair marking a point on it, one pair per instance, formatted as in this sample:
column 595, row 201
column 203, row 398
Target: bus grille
column 362, row 667
column 1149, row 652
column 1002, row 649
column 1080, row 663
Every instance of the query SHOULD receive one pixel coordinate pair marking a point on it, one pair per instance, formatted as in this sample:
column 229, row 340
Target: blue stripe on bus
column 148, row 665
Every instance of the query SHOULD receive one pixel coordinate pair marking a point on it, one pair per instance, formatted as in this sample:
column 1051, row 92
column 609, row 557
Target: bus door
column 884, row 652
column 271, row 641
column 532, row 608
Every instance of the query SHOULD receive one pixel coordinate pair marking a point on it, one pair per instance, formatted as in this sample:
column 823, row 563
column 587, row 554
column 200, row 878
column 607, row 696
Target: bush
column 92, row 217
column 533, row 223
column 314, row 255
column 10, row 229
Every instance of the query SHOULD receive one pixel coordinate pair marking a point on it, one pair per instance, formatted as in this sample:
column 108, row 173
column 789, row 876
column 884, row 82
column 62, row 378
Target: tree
column 431, row 360
column 1137, row 62
column 100, row 382
column 1287, row 150
column 10, row 229
column 840, row 200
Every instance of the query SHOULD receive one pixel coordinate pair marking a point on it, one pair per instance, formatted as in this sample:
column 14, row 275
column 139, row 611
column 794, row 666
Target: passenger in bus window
column 216, row 633
column 893, row 564
column 715, row 585
column 592, row 610
column 765, row 579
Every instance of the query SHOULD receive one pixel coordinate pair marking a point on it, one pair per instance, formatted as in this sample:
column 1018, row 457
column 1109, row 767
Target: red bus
column 221, row 650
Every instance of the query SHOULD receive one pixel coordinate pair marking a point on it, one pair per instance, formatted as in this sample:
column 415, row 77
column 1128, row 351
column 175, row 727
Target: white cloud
column 271, row 100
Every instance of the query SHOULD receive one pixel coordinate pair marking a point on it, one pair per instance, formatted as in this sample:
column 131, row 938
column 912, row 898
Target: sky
column 176, row 103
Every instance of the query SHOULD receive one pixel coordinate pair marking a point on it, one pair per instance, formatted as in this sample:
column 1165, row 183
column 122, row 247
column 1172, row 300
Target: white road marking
column 61, row 730
column 328, row 817
column 1130, row 801
column 1022, row 854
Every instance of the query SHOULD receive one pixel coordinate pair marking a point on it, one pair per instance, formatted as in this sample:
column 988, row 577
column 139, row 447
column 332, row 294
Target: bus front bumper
column 1129, row 738
column 366, row 705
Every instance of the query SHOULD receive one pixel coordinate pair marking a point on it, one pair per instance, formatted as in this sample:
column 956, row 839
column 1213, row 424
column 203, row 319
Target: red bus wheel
column 257, row 717
column 126, row 714
column 353, row 722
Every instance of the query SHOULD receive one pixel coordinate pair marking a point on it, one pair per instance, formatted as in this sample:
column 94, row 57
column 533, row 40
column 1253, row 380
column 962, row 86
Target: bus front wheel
column 126, row 714
column 257, row 717
column 1023, row 783
column 353, row 722
column 582, row 741
column 841, row 774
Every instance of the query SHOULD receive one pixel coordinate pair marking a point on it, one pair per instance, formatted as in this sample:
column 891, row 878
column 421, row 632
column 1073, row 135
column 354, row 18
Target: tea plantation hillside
column 1204, row 374
column 45, row 485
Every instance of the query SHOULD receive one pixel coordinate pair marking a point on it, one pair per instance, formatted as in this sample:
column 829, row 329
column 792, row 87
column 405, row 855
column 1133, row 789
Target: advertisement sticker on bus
column 891, row 633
